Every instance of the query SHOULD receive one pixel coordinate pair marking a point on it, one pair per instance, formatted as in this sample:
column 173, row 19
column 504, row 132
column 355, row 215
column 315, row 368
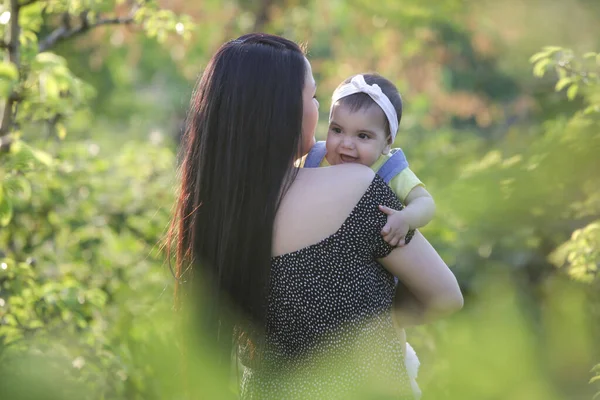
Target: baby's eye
column 335, row 129
column 363, row 136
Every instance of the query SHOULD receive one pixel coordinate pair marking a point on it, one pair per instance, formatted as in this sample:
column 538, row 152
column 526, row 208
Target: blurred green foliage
column 501, row 121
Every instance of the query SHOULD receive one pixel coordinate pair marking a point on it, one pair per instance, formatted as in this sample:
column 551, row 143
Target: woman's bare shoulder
column 317, row 204
column 354, row 170
column 343, row 179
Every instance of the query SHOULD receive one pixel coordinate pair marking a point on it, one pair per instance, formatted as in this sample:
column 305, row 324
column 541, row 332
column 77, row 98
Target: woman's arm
column 409, row 311
column 431, row 290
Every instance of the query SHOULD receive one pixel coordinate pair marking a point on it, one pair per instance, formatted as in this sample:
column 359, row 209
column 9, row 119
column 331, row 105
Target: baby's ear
column 388, row 147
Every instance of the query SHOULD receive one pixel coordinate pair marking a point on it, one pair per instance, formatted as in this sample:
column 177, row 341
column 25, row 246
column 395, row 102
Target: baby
column 363, row 122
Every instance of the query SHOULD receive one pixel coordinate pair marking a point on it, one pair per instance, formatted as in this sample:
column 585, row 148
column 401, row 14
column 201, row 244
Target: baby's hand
column 395, row 230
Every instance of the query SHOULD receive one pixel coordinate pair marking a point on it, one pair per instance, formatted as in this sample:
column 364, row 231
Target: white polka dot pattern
column 329, row 326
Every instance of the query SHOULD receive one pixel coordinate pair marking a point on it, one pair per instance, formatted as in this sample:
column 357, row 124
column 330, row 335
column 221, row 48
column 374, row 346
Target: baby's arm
column 419, row 210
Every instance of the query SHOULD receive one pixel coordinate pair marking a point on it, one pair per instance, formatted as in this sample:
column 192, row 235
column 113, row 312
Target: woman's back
column 329, row 327
column 316, row 205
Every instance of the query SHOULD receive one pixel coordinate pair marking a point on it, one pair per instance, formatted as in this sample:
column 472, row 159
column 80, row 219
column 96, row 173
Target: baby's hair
column 358, row 101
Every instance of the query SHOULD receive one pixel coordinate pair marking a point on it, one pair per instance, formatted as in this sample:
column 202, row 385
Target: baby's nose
column 348, row 142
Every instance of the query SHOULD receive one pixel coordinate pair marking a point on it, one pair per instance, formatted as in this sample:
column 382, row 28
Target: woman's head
column 311, row 111
column 248, row 116
column 252, row 94
column 359, row 129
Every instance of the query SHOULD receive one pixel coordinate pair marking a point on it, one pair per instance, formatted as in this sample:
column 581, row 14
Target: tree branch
column 13, row 48
column 64, row 32
column 5, row 143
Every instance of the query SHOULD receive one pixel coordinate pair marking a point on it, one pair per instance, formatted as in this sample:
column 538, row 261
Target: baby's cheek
column 330, row 144
column 370, row 158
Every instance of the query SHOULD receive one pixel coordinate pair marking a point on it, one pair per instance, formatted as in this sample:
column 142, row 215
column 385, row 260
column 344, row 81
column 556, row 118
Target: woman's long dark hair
column 243, row 132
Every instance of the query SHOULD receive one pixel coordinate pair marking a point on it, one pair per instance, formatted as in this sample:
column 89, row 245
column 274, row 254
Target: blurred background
column 501, row 121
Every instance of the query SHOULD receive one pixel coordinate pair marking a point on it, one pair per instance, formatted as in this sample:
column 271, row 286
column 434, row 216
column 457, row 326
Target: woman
column 292, row 260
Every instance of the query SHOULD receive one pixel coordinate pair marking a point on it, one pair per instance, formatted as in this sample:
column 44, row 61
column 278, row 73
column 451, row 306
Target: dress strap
column 393, row 166
column 315, row 155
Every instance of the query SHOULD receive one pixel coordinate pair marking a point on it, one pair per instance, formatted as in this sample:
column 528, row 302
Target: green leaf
column 562, row 73
column 28, row 155
column 595, row 379
column 42, row 157
column 9, row 76
column 8, row 71
column 47, row 59
column 25, row 187
column 15, row 184
column 6, row 210
column 49, row 88
column 28, row 37
column 562, row 83
column 31, row 17
column 552, row 49
column 590, row 54
column 61, row 131
column 540, row 68
column 538, row 56
column 572, row 92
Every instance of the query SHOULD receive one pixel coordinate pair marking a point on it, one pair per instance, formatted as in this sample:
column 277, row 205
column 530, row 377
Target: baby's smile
column 348, row 159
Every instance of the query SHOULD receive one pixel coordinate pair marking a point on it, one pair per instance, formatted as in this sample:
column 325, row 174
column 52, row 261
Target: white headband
column 358, row 85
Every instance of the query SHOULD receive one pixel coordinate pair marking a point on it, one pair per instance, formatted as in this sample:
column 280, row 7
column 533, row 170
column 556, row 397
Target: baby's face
column 356, row 137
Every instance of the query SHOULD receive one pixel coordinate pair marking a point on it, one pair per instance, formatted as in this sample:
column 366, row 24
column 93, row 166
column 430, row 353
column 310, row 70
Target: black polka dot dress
column 329, row 326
